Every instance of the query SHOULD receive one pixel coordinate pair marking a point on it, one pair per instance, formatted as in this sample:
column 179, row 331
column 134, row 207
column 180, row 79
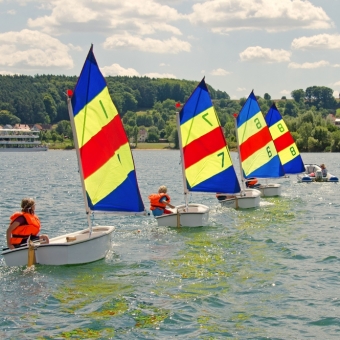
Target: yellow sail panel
column 88, row 123
column 257, row 159
column 208, row 167
column 286, row 154
column 198, row 126
column 250, row 128
column 278, row 129
column 121, row 164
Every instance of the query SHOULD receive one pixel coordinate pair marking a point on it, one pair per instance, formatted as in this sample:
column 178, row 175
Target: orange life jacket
column 31, row 228
column 155, row 201
column 252, row 182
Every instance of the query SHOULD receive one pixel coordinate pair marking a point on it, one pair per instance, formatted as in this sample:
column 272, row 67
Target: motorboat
column 313, row 173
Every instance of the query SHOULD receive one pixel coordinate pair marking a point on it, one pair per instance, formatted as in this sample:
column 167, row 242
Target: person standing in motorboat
column 24, row 225
column 159, row 202
column 324, row 170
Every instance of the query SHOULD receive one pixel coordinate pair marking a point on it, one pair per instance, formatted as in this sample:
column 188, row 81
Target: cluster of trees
column 41, row 99
column 150, row 103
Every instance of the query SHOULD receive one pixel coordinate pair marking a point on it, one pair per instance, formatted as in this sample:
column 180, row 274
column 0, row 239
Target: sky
column 269, row 46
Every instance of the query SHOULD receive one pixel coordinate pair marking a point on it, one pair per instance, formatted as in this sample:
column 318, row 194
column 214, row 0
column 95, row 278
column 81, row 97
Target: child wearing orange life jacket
column 23, row 225
column 159, row 202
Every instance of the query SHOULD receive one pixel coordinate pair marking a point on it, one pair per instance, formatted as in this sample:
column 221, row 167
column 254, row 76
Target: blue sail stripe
column 272, row 117
column 198, row 102
column 225, row 181
column 273, row 168
column 249, row 109
column 85, row 91
column 125, row 198
column 295, row 166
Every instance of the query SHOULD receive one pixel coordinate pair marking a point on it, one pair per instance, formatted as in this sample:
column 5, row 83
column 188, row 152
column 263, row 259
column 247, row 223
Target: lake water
column 268, row 273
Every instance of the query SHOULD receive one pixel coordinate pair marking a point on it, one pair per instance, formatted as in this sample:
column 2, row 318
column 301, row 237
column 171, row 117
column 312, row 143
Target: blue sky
column 269, row 46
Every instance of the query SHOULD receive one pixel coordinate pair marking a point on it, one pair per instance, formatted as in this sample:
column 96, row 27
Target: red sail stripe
column 203, row 146
column 94, row 145
column 255, row 143
column 283, row 141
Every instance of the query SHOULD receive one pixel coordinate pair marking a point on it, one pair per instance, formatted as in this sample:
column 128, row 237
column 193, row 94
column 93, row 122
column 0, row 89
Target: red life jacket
column 155, row 201
column 31, row 228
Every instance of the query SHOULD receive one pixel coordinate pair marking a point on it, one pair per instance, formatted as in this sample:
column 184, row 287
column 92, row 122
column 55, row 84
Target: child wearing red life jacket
column 24, row 225
column 159, row 202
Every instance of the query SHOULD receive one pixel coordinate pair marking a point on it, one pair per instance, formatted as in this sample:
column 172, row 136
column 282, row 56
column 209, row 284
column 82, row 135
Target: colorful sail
column 207, row 162
column 257, row 150
column 107, row 165
column 284, row 142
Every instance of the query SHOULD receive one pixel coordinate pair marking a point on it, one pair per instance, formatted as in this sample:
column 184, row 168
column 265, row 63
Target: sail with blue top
column 206, row 159
column 288, row 152
column 106, row 164
column 258, row 154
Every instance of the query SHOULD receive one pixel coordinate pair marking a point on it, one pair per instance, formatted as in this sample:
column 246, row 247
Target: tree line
column 150, row 103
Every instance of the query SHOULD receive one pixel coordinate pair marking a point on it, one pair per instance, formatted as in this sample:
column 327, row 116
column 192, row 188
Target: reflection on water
column 264, row 273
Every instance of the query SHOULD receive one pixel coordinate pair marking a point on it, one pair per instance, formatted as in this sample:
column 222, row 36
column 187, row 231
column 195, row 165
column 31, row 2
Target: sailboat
column 206, row 162
column 107, row 173
column 257, row 151
column 284, row 143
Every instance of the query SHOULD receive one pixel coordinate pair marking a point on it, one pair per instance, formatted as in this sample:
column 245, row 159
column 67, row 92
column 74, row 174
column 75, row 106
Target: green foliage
column 153, row 135
column 7, row 118
column 298, row 95
column 267, row 96
column 150, row 103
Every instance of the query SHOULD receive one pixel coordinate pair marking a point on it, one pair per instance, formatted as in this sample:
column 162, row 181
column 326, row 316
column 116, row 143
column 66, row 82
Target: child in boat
column 159, row 202
column 23, row 225
column 324, row 170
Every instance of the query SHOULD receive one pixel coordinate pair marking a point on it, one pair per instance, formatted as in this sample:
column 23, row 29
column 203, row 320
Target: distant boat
column 106, row 170
column 257, row 151
column 313, row 173
column 20, row 140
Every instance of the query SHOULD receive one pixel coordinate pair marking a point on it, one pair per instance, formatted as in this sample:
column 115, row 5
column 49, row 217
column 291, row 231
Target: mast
column 75, row 140
column 239, row 154
column 182, row 160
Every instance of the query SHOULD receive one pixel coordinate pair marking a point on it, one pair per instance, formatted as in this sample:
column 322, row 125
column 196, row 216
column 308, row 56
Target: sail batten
column 207, row 163
column 285, row 145
column 107, row 168
column 258, row 154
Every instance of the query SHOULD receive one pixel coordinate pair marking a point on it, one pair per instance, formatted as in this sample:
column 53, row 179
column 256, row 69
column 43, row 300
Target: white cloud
column 320, row 42
column 337, row 83
column 163, row 64
column 336, row 94
column 117, row 70
column 241, row 89
column 74, row 48
column 317, row 64
column 7, row 73
column 223, row 16
column 219, row 72
column 126, row 41
column 285, row 92
column 33, row 49
column 11, row 12
column 265, row 54
column 160, row 75
column 138, row 17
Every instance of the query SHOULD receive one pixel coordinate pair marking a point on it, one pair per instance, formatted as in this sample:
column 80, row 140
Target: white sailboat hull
column 270, row 190
column 59, row 251
column 247, row 199
column 197, row 215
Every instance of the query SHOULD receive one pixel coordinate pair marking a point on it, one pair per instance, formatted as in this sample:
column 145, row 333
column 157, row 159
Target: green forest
column 150, row 103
